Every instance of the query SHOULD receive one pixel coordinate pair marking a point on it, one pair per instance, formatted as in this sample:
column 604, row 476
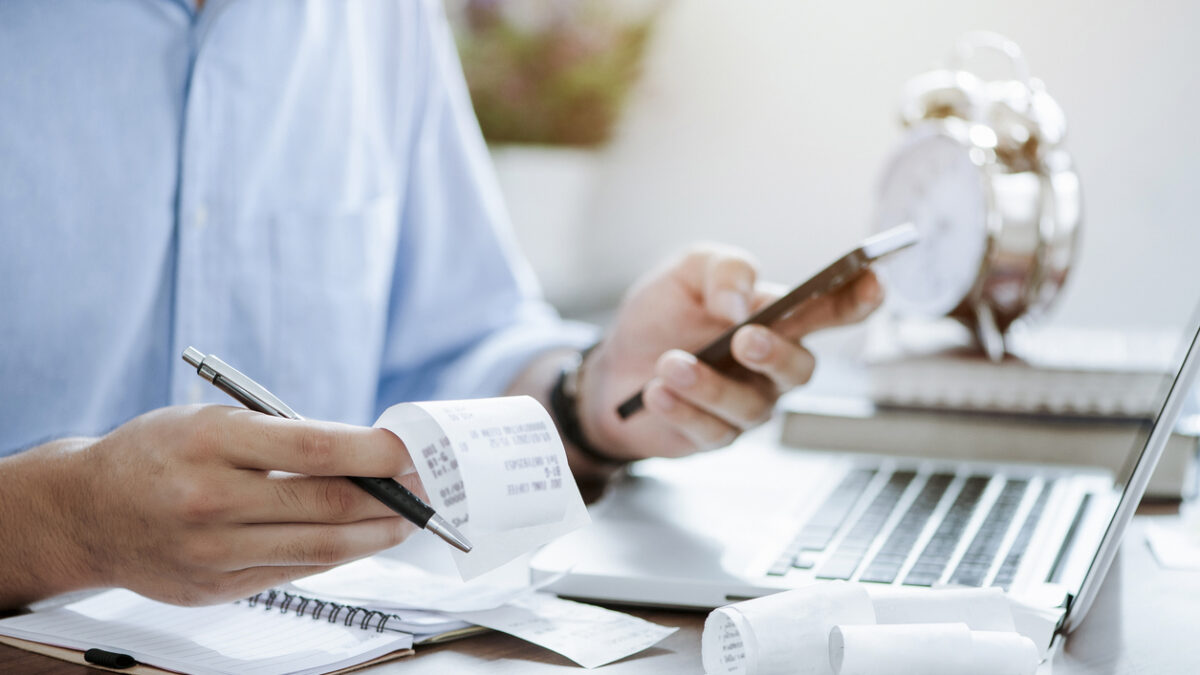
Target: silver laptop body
column 757, row 518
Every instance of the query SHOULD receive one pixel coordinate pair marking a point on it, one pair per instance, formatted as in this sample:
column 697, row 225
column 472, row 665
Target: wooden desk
column 1144, row 621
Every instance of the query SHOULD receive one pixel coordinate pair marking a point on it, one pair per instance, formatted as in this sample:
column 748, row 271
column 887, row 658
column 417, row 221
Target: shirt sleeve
column 466, row 313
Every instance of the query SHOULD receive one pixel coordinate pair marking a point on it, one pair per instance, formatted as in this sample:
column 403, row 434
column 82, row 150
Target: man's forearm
column 38, row 558
column 536, row 380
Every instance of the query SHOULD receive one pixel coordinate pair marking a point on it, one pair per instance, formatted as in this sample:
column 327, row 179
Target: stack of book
column 1062, row 396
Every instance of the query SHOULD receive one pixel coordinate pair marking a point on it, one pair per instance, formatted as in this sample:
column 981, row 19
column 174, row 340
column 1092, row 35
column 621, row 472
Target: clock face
column 933, row 183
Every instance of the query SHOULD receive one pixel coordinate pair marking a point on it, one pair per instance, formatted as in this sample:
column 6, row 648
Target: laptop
column 758, row 518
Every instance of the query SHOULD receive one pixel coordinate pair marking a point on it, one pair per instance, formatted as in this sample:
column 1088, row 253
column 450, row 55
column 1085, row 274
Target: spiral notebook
column 273, row 633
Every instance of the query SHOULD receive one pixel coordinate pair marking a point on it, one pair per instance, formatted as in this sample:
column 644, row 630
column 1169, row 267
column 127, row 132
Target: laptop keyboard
column 981, row 553
column 887, row 563
column 820, row 528
column 857, row 555
column 1008, row 568
column 848, row 556
column 928, row 568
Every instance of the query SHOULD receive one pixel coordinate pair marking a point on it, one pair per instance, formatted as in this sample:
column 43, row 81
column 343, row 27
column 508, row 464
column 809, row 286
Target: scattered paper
column 1175, row 544
column 929, row 648
column 496, row 469
column 383, row 583
column 790, row 632
column 588, row 635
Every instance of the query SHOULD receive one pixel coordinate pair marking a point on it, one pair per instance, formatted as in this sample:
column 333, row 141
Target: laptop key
column 922, row 579
column 839, row 567
column 854, row 546
column 820, row 528
column 780, row 568
column 806, row 560
column 814, row 538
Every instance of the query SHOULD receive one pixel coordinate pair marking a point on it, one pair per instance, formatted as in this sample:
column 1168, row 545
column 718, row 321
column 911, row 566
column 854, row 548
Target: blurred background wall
column 764, row 124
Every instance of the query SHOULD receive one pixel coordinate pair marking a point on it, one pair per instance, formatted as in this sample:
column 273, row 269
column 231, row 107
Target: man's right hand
column 195, row 505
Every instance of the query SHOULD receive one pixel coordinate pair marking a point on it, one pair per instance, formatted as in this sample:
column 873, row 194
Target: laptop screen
column 1149, row 441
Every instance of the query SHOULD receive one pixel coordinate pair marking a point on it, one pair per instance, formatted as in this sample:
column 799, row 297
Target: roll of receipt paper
column 842, row 628
column 785, row 633
column 929, row 648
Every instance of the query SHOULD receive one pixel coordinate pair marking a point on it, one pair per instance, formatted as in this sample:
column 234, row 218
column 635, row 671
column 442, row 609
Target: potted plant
column 548, row 80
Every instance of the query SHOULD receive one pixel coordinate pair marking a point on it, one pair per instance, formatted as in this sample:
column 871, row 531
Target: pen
column 107, row 659
column 256, row 397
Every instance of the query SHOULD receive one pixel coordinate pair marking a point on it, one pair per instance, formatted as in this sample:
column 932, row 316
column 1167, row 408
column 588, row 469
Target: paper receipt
column 839, row 628
column 394, row 584
column 496, row 469
column 588, row 635
column 786, row 633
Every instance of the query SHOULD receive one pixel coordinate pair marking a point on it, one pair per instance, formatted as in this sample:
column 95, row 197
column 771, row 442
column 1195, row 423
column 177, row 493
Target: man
column 300, row 188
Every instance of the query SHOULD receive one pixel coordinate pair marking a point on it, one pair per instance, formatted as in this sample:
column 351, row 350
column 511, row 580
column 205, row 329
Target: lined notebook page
column 221, row 639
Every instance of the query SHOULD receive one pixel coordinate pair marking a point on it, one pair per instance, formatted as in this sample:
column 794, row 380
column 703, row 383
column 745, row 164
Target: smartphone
column 846, row 269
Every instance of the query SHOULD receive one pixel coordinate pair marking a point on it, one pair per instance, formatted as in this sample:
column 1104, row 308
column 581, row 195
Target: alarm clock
column 983, row 175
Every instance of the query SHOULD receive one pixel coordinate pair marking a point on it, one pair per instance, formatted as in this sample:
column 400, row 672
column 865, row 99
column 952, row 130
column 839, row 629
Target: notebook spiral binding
column 302, row 605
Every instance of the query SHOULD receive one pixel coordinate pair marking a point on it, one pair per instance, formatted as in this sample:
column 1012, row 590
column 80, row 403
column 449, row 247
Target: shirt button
column 195, row 393
column 200, row 217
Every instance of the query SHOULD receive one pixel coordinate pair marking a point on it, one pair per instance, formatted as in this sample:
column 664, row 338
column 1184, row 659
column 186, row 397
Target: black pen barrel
column 397, row 497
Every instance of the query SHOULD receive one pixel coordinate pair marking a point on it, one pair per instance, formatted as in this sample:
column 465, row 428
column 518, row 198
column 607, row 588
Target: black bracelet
column 564, row 403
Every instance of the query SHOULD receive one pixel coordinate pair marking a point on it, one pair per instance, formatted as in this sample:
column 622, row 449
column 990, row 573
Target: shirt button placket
column 200, row 216
column 195, row 216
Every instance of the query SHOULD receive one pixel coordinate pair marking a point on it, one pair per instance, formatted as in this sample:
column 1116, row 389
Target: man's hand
column 190, row 506
column 688, row 405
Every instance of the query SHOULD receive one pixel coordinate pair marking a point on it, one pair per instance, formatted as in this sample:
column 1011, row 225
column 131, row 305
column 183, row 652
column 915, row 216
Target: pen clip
column 230, row 380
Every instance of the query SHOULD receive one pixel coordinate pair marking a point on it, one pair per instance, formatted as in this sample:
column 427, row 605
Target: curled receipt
column 496, row 469
column 841, row 628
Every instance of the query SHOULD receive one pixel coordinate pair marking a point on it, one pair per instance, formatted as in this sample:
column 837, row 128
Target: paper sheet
column 930, row 649
column 496, row 469
column 786, row 633
column 382, row 583
column 1175, row 543
column 789, row 632
column 588, row 635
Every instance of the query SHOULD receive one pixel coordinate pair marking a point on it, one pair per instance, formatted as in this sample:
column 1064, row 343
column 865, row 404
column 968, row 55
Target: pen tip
column 439, row 526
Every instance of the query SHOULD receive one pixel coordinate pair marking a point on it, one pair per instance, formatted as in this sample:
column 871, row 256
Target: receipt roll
column 928, row 648
column 782, row 634
column 979, row 608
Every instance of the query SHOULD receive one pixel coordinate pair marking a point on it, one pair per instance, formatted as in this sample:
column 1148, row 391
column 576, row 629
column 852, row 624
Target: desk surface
column 1144, row 621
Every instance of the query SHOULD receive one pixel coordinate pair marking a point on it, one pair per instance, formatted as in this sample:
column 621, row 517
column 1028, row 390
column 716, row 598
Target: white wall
column 764, row 124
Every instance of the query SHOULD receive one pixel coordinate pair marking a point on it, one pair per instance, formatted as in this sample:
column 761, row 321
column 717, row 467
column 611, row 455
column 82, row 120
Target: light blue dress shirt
column 298, row 187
